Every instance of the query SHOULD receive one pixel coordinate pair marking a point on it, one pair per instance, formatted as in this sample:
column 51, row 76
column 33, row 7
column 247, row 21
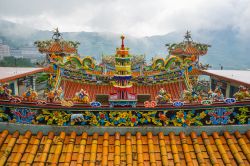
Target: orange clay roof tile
column 93, row 89
column 148, row 149
column 57, row 47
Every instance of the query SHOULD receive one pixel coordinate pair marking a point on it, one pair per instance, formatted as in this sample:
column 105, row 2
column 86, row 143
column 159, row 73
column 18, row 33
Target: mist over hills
column 228, row 48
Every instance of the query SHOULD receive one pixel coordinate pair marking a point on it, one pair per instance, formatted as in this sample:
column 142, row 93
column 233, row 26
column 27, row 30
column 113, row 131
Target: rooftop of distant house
column 237, row 76
column 12, row 73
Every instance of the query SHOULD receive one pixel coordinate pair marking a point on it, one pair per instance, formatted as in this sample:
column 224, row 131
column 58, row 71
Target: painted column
column 16, row 89
column 34, row 82
column 228, row 90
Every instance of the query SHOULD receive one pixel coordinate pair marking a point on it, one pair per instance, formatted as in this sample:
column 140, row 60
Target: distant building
column 4, row 50
column 16, row 53
column 29, row 52
column 20, row 78
column 228, row 80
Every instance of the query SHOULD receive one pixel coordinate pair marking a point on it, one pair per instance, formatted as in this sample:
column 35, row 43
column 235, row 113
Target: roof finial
column 122, row 37
column 188, row 36
column 56, row 34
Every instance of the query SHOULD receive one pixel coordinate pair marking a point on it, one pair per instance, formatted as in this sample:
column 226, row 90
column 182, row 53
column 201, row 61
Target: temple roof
column 72, row 87
column 188, row 50
column 12, row 73
column 57, row 45
column 60, row 47
column 172, row 149
column 188, row 47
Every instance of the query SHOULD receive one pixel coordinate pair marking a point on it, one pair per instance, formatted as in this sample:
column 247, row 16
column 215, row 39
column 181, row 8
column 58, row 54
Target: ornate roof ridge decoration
column 188, row 47
column 57, row 45
column 135, row 59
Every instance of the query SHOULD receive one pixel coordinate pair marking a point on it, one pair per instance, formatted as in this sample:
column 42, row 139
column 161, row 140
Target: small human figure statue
column 242, row 94
column 81, row 96
column 216, row 95
column 55, row 95
column 163, row 96
column 5, row 92
column 58, row 94
column 30, row 95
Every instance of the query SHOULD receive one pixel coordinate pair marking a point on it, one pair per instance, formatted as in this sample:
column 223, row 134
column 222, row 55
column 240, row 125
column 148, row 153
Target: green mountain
column 228, row 49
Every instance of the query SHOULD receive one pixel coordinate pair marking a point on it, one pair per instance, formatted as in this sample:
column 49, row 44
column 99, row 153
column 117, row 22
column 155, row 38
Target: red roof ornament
column 122, row 37
column 57, row 45
column 188, row 47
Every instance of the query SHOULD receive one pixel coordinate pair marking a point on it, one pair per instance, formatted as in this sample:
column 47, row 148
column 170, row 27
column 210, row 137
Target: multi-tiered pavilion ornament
column 188, row 53
column 188, row 48
column 57, row 50
column 122, row 78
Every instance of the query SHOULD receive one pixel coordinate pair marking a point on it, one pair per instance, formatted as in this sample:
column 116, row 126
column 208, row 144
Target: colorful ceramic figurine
column 163, row 96
column 82, row 96
column 217, row 95
column 242, row 94
column 5, row 93
column 30, row 95
column 55, row 95
column 191, row 96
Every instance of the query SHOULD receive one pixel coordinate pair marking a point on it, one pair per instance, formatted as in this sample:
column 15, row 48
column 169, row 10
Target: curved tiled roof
column 172, row 149
column 72, row 87
column 58, row 47
column 188, row 50
column 12, row 73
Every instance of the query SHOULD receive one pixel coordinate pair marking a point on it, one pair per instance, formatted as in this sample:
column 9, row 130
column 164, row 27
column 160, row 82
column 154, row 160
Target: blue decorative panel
column 178, row 104
column 230, row 100
column 23, row 115
column 220, row 116
column 95, row 104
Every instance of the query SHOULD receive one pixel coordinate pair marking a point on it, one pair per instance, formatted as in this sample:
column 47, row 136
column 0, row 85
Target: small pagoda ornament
column 122, row 77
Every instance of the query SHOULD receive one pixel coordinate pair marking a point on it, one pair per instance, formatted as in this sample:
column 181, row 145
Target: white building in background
column 29, row 52
column 4, row 49
column 16, row 53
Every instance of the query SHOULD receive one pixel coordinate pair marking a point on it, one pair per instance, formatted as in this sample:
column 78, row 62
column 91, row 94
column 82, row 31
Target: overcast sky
column 134, row 17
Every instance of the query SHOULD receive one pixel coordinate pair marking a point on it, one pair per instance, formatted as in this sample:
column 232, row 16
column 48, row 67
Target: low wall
column 22, row 128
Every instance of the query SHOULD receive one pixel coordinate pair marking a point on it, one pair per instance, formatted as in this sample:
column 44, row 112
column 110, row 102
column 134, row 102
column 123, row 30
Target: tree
column 11, row 61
